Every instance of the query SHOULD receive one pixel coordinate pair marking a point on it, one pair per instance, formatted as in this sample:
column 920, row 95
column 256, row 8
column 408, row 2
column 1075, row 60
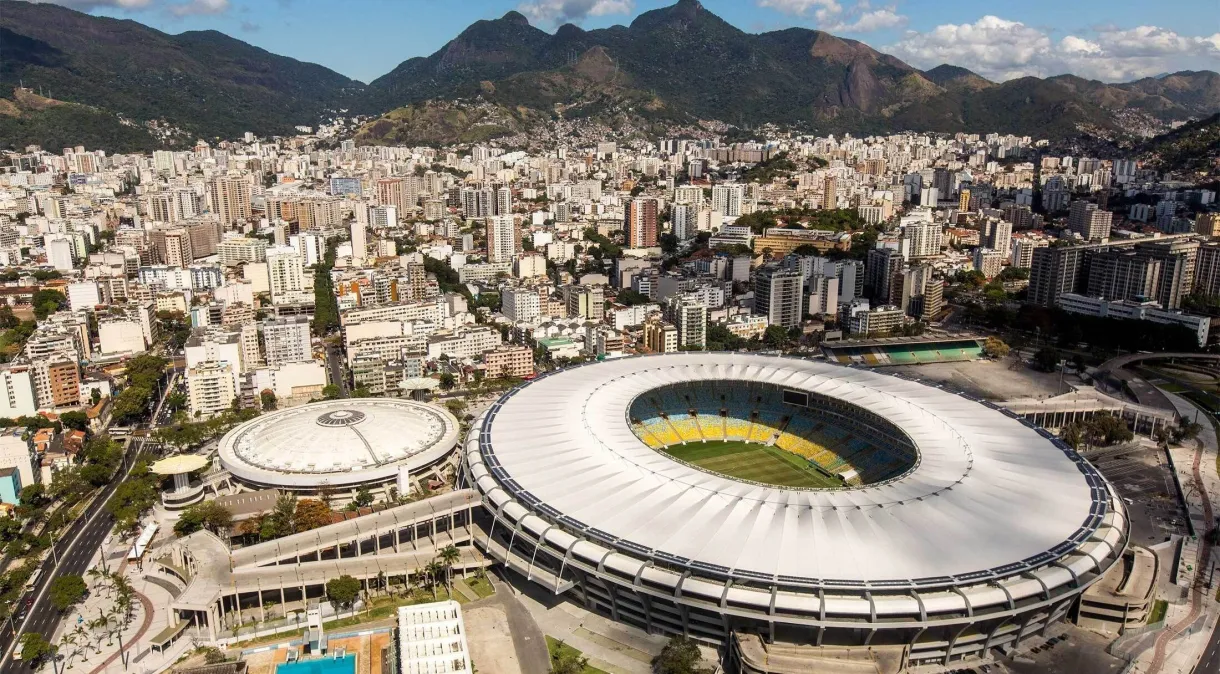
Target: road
column 334, row 369
column 1210, row 661
column 73, row 551
column 84, row 537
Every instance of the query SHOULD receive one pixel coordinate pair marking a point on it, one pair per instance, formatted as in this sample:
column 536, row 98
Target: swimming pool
column 322, row 665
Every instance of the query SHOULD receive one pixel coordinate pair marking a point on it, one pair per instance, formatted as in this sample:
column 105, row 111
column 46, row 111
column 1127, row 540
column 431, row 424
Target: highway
column 1210, row 660
column 74, row 550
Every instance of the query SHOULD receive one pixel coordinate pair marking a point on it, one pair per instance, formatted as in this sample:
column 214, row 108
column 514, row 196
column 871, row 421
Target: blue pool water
column 323, row 665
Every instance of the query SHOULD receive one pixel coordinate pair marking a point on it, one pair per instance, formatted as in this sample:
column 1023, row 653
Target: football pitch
column 754, row 462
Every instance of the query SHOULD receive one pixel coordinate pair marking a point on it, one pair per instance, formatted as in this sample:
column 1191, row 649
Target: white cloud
column 180, row 8
column 869, row 21
column 573, row 11
column 831, row 16
column 822, row 8
column 1000, row 49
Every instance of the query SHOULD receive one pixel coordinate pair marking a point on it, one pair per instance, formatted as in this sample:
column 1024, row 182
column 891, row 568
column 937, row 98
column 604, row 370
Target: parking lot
column 1142, row 478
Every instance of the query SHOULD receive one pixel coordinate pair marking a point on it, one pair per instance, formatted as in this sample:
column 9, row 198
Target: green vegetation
column 833, row 220
column 753, row 462
column 67, row 591
column 603, row 247
column 1192, row 147
column 779, row 166
column 47, row 302
column 184, row 435
column 568, row 660
column 143, row 373
column 680, row 656
column 343, row 591
column 1159, row 608
column 208, row 515
column 326, row 303
column 1101, row 430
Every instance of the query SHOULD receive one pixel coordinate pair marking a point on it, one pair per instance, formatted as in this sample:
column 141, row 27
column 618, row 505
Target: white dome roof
column 338, row 443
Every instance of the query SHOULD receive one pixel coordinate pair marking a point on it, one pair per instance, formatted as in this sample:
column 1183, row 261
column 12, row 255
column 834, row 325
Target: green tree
column 208, row 515
column 75, row 420
column 448, row 556
column 35, row 648
column 67, row 591
column 680, row 656
column 267, row 399
column 630, row 298
column 47, row 302
column 775, row 337
column 567, row 660
column 994, row 347
column 1046, row 359
column 364, row 497
column 343, row 591
column 447, row 381
column 331, row 392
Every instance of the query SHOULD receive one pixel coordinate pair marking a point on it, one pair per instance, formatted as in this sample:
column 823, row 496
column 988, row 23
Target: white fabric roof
column 987, row 491
column 338, row 442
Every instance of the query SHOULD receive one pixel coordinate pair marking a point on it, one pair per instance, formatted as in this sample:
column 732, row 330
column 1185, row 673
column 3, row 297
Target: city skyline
column 1106, row 41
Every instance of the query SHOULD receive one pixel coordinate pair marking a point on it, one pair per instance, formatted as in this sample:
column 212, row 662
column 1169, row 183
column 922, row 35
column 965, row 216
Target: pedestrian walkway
column 1175, row 651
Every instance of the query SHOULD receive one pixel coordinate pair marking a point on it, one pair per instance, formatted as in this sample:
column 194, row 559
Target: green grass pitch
column 754, row 462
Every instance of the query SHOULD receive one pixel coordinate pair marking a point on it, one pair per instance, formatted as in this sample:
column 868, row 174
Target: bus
column 32, row 583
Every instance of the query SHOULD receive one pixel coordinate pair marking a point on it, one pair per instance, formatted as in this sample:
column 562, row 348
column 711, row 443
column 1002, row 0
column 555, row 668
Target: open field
column 754, row 462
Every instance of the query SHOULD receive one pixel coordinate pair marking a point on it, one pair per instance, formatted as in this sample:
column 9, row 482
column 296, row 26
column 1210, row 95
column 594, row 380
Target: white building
column 17, row 395
column 1135, row 311
column 59, row 254
column 121, row 335
column 728, row 199
column 285, row 274
column 211, row 387
column 287, row 340
column 432, row 639
column 521, row 305
column 466, row 343
column 83, row 295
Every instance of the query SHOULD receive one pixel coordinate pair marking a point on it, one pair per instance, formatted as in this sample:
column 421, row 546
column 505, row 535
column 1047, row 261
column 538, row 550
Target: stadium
column 338, row 445
column 790, row 507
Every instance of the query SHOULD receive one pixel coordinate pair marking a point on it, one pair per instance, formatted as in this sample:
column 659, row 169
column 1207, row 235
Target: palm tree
column 449, row 555
column 433, row 571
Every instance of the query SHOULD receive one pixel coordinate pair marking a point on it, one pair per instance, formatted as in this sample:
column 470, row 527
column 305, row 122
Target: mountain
column 29, row 119
column 202, row 82
column 670, row 69
column 1190, row 148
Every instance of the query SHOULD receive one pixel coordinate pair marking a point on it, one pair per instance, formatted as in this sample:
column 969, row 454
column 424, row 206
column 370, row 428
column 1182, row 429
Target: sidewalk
column 1175, row 652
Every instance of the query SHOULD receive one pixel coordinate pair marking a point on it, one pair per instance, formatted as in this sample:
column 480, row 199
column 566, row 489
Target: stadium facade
column 953, row 528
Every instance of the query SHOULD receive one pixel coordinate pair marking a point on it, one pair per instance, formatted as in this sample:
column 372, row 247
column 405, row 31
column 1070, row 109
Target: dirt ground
column 990, row 379
column 490, row 641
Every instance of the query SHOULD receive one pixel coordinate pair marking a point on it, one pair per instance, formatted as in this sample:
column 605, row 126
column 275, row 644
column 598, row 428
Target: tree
column 680, row 656
column 331, row 392
column 448, row 556
column 1046, row 359
column 311, row 514
column 47, row 302
column 78, row 421
column 343, row 591
column 447, row 381
column 364, row 497
column 214, row 656
column 994, row 347
column 775, row 337
column 567, row 660
column 208, row 515
column 630, row 298
column 67, row 591
column 267, row 399
column 35, row 648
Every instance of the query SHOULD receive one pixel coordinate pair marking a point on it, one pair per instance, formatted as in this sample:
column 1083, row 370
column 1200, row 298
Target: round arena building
column 338, row 445
column 758, row 500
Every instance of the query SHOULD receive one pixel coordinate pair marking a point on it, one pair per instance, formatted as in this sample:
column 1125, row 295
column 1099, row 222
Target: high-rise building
column 286, row 340
column 229, row 199
column 682, row 217
column 688, row 314
column 963, row 201
column 1207, row 224
column 503, row 238
column 521, row 304
column 925, row 238
column 360, row 242
column 1023, row 251
column 997, row 235
column 988, row 261
column 823, row 295
column 285, row 273
column 389, row 192
column 879, row 268
column 779, row 294
column 504, row 201
column 728, row 199
column 173, row 246
column 585, row 302
column 830, row 192
column 1123, row 274
column 1088, row 221
column 1207, row 269
column 640, row 223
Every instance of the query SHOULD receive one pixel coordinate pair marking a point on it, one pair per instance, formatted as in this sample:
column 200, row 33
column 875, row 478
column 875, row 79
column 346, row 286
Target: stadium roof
column 990, row 494
column 338, row 443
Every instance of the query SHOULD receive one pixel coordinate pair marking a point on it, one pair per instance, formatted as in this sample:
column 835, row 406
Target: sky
column 1110, row 40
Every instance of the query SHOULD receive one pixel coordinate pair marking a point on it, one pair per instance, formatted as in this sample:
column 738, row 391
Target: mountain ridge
column 680, row 62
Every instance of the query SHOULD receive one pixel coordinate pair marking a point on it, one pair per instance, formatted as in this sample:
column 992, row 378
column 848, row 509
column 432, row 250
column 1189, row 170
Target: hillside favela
column 609, row 337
